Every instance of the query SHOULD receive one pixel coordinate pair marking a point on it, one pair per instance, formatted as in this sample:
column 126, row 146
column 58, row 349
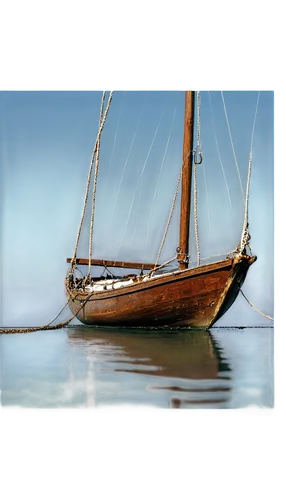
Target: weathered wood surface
column 194, row 297
column 114, row 263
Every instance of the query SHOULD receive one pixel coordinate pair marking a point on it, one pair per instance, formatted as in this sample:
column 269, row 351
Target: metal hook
column 196, row 154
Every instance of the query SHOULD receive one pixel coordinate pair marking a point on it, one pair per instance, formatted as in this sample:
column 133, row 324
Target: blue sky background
column 47, row 140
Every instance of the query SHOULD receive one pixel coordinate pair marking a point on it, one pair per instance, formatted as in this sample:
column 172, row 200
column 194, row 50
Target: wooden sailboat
column 187, row 297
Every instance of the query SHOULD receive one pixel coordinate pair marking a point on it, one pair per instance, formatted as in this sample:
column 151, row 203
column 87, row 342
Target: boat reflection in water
column 161, row 368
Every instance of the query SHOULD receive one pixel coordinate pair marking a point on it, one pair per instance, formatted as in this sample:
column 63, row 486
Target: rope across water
column 49, row 326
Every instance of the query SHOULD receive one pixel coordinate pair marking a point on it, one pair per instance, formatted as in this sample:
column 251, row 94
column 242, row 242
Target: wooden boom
column 113, row 263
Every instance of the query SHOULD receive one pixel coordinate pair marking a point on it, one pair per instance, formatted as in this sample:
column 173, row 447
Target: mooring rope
column 252, row 305
column 95, row 154
column 45, row 327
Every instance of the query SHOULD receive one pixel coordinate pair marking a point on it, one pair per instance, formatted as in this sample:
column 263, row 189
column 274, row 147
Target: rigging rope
column 49, row 326
column 159, row 267
column 198, row 147
column 95, row 156
column 129, row 214
column 227, row 254
column 230, row 136
column 171, row 211
column 245, row 237
column 196, row 215
column 73, row 260
column 199, row 119
column 94, row 188
column 196, row 152
column 152, row 201
column 207, row 199
column 219, row 156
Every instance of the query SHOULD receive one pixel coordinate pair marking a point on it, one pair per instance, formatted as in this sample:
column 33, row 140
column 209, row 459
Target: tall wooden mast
column 183, row 249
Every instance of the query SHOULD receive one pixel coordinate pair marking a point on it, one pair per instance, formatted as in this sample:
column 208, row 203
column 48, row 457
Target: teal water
column 83, row 367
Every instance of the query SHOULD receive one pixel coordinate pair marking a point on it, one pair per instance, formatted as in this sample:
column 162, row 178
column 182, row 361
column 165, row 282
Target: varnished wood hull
column 194, row 298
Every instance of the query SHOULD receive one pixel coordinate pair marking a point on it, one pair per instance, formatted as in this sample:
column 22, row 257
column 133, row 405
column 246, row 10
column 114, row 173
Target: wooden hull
column 194, row 298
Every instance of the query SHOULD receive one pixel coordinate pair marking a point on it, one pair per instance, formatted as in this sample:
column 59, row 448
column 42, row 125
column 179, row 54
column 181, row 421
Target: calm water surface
column 93, row 367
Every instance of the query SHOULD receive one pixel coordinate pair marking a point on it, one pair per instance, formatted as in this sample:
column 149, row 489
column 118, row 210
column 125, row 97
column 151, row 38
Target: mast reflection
column 186, row 364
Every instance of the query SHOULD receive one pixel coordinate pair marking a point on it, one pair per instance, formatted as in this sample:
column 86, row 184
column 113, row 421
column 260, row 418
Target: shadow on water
column 186, row 366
